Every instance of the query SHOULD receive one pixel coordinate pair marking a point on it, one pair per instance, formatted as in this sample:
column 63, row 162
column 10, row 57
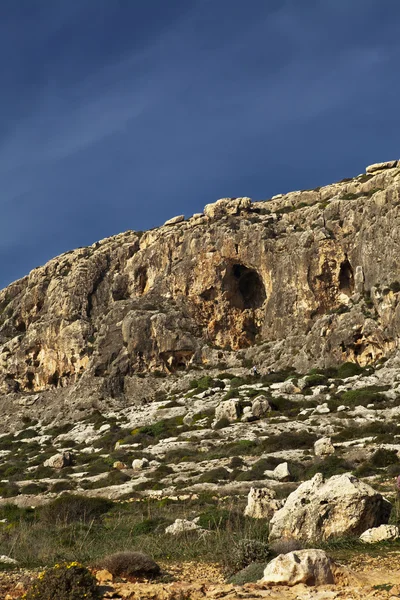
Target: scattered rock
column 175, row 220
column 320, row 509
column 227, row 206
column 324, row 447
column 228, row 409
column 378, row 534
column 260, row 407
column 58, row 461
column 311, row 567
column 182, row 525
column 390, row 164
column 261, row 503
column 7, row 560
column 140, row 463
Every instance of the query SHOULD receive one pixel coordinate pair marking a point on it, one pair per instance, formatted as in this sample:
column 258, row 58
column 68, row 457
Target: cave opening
column 346, row 278
column 141, row 279
column 249, row 286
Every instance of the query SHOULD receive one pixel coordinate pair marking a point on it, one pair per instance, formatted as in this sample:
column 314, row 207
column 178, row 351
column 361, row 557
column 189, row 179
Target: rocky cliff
column 310, row 278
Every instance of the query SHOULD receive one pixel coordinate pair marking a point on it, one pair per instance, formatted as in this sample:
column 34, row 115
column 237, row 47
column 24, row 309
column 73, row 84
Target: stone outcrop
column 293, row 281
column 262, row 503
column 181, row 526
column 311, row 567
column 339, row 506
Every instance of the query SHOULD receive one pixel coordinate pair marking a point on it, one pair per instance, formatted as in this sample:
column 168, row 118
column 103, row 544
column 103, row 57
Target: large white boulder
column 140, row 463
column 261, row 503
column 379, row 534
column 318, row 509
column 311, row 567
column 324, row 447
column 282, row 472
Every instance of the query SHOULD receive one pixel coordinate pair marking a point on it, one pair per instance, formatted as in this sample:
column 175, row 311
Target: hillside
column 125, row 375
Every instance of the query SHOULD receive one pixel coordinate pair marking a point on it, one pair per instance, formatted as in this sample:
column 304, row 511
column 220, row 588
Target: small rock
column 282, row 472
column 104, row 576
column 261, row 503
column 175, row 220
column 58, row 461
column 7, row 560
column 378, row 534
column 310, row 567
column 140, row 463
column 119, row 465
column 324, row 447
column 322, row 409
column 181, row 525
column 260, row 407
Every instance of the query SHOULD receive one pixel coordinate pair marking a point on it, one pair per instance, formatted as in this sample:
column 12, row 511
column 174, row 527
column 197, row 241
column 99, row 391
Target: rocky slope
column 309, row 278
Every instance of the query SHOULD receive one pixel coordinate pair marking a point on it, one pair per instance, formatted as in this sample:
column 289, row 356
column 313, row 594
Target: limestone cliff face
column 306, row 278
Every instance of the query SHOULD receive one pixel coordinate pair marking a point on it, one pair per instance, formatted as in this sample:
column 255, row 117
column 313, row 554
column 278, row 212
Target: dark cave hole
column 250, row 286
column 346, row 278
column 141, row 279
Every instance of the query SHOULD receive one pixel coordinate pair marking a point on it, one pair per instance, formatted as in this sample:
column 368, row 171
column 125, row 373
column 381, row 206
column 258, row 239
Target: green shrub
column 383, row 458
column 348, row 369
column 313, row 380
column 331, row 465
column 129, row 564
column 65, row 582
column 250, row 574
column 113, row 478
column 61, row 486
column 14, row 514
column 222, row 423
column 146, row 526
column 214, row 475
column 72, row 508
column 214, row 518
column 9, row 490
column 247, row 551
column 362, row 396
column 33, row 488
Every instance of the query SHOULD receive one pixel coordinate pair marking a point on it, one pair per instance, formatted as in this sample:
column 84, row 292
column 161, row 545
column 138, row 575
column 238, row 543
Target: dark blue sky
column 119, row 114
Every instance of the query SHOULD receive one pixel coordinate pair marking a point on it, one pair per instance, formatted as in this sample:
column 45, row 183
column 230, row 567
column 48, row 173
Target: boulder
column 58, row 461
column 139, row 463
column 261, row 503
column 119, row 465
column 282, row 472
column 324, row 447
column 228, row 409
column 182, row 525
column 390, row 164
column 175, row 220
column 310, row 567
column 320, row 509
column 226, row 206
column 260, row 407
column 378, row 534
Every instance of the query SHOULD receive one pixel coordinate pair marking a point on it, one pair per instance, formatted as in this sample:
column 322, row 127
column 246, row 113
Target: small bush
column 362, row 397
column 348, row 369
column 316, row 379
column 384, row 458
column 33, row 489
column 222, row 423
column 65, row 582
column 129, row 564
column 247, row 551
column 72, row 508
column 332, row 465
column 61, row 486
column 215, row 475
column 214, row 518
column 250, row 574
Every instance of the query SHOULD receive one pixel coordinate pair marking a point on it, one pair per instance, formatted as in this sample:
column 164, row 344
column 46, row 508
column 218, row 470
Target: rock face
column 262, row 504
column 320, row 509
column 378, row 534
column 311, row 567
column 290, row 281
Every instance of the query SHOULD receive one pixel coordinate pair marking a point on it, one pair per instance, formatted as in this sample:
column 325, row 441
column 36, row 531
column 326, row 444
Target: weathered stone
column 324, row 447
column 320, row 509
column 261, row 503
column 175, row 220
column 119, row 465
column 7, row 560
column 311, row 567
column 282, row 472
column 140, row 463
column 182, row 525
column 379, row 534
column 390, row 164
column 260, row 407
column 228, row 409
column 226, row 206
column 58, row 461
